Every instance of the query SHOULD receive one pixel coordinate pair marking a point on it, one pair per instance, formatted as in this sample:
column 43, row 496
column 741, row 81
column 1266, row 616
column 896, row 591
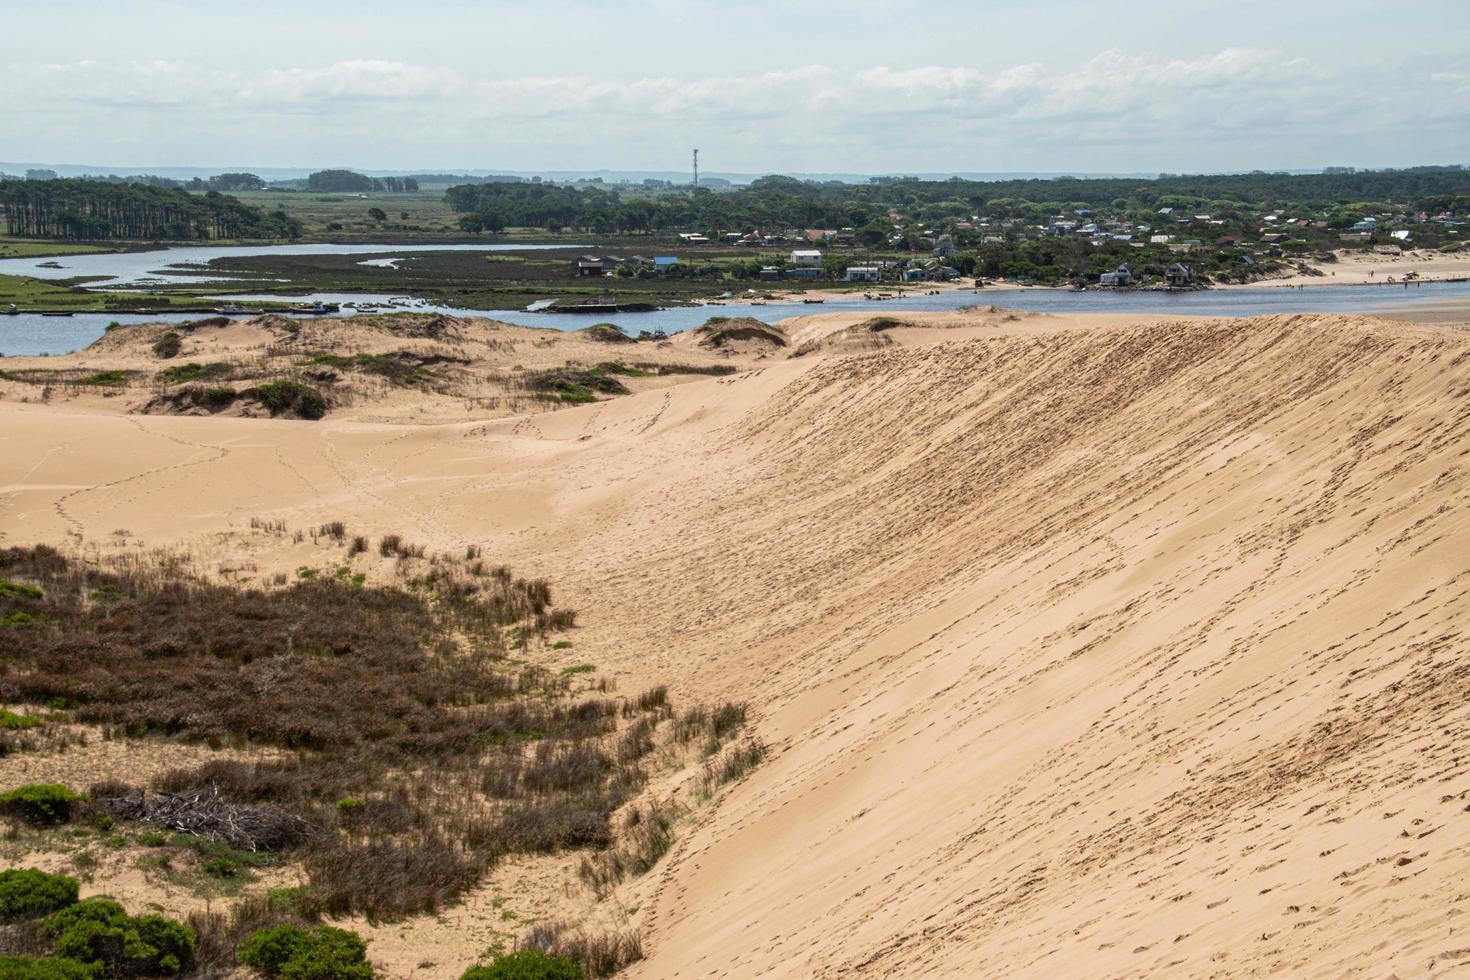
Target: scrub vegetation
column 411, row 744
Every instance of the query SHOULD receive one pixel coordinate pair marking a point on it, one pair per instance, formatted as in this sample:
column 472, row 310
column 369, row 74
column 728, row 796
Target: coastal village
column 1170, row 248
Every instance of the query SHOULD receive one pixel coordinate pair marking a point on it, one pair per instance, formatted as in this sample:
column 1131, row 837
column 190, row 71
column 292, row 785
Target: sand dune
column 1083, row 648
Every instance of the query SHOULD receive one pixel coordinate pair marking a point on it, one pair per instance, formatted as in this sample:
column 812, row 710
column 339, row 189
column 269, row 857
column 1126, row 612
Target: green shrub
column 98, row 932
column 43, row 968
column 168, row 345
column 290, row 397
column 221, row 868
column 105, row 379
column 194, row 371
column 26, row 893
column 15, row 722
column 15, row 590
column 527, row 964
column 40, row 803
column 220, row 396
column 292, row 953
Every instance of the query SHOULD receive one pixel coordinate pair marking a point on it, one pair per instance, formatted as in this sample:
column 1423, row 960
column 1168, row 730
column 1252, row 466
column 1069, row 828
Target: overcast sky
column 758, row 85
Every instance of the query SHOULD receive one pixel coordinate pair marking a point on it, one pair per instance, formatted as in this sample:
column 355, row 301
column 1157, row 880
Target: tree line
column 350, row 181
column 93, row 210
column 785, row 202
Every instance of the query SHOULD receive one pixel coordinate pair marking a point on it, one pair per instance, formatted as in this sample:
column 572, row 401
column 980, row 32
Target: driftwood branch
column 205, row 814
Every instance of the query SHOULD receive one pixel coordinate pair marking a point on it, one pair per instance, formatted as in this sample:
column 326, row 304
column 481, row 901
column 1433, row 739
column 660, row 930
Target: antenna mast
column 696, row 171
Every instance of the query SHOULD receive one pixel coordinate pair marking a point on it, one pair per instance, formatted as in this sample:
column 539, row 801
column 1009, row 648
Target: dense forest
column 90, row 210
column 784, row 202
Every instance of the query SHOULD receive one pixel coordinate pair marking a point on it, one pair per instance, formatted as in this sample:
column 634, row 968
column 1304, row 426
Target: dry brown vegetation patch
column 420, row 750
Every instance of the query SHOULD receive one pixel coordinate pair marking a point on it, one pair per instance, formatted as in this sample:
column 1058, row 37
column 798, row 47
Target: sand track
column 1106, row 650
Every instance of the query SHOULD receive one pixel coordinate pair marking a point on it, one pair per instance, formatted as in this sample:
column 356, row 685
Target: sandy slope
column 1354, row 268
column 1084, row 649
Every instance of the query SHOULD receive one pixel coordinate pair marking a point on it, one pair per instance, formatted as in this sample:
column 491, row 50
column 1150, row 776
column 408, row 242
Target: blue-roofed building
column 663, row 263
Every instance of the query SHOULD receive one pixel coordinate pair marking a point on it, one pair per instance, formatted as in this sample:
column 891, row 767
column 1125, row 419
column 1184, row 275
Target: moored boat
column 315, row 308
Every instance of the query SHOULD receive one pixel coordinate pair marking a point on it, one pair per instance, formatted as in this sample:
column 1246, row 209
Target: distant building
column 806, row 257
column 804, row 272
column 861, row 273
column 1179, row 275
column 1121, row 276
column 663, row 263
column 593, row 265
column 769, row 273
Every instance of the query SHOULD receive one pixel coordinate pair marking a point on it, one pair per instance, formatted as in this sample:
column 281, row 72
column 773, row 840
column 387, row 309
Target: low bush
column 26, row 893
column 526, row 964
column 182, row 373
column 99, row 933
column 715, row 370
column 402, row 368
column 40, row 803
column 387, row 878
column 597, row 954
column 18, row 590
column 168, row 345
column 290, row 952
column 43, row 968
column 11, row 721
column 546, row 826
column 221, row 933
column 105, row 379
column 572, row 385
column 618, row 367
column 607, row 333
column 289, row 398
column 220, row 868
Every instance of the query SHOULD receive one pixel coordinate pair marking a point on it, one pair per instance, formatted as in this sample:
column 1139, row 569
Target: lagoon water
column 130, row 268
column 34, row 334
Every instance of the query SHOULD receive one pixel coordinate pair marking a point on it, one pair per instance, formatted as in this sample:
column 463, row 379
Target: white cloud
column 878, row 117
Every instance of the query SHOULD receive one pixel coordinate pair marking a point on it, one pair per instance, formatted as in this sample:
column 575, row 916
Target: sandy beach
column 1083, row 646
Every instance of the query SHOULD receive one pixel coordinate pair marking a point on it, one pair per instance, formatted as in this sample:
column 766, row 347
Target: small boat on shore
column 58, row 313
column 12, row 310
column 813, row 302
column 316, row 308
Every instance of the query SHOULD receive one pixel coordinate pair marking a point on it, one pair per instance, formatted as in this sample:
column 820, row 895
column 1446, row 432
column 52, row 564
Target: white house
column 862, row 273
column 806, row 257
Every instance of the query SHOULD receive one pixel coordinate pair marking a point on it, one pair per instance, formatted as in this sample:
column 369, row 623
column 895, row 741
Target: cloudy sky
column 759, row 85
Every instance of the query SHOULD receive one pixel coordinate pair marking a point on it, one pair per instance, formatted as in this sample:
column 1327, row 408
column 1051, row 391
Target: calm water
column 129, row 268
column 33, row 334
